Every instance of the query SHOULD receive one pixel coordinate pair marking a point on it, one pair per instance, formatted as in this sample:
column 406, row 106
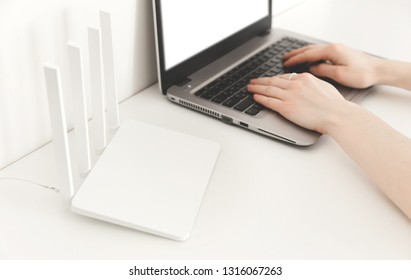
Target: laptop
column 209, row 50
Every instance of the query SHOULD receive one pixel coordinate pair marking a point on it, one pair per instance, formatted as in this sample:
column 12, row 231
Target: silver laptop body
column 184, row 67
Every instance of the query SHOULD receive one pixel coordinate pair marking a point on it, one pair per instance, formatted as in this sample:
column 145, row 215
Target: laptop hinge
column 265, row 32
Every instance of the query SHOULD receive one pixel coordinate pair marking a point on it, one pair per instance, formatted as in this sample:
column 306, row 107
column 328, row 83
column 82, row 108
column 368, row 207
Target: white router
column 148, row 178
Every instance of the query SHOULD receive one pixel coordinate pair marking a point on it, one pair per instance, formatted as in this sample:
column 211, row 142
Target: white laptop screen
column 190, row 27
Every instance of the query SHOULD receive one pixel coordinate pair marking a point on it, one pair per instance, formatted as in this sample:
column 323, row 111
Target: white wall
column 34, row 32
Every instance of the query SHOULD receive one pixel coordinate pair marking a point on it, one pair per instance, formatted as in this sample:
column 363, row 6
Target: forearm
column 394, row 73
column 382, row 152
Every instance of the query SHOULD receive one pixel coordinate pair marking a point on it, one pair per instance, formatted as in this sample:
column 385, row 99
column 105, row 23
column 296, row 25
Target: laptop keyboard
column 230, row 89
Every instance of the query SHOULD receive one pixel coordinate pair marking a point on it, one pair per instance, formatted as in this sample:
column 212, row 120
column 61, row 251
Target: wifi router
column 147, row 178
column 150, row 179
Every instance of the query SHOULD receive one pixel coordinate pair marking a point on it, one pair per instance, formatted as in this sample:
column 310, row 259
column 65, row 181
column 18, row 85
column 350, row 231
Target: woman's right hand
column 342, row 64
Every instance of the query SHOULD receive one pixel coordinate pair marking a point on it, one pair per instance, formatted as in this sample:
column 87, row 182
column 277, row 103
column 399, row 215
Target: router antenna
column 80, row 109
column 94, row 47
column 59, row 129
column 109, row 71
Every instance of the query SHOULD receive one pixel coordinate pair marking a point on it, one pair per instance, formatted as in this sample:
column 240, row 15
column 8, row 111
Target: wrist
column 340, row 117
column 381, row 72
column 389, row 72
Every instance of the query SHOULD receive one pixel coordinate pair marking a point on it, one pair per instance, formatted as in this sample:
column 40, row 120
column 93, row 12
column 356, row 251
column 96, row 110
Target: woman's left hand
column 300, row 98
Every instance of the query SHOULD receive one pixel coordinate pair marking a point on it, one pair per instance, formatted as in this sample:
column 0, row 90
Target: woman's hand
column 304, row 100
column 342, row 64
column 317, row 105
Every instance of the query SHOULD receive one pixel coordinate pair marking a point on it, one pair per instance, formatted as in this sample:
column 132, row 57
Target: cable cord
column 31, row 182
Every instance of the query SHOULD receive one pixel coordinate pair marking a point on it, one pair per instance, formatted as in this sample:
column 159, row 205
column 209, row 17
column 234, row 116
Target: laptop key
column 231, row 102
column 219, row 98
column 236, row 87
column 258, row 106
column 201, row 91
column 284, row 43
column 259, row 72
column 241, row 94
column 244, row 104
column 210, row 94
column 252, row 111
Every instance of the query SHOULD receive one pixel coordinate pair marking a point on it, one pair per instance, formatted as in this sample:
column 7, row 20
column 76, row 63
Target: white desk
column 266, row 199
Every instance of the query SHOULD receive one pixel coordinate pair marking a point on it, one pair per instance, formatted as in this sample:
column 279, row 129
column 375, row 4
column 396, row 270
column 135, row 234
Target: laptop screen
column 190, row 27
column 193, row 33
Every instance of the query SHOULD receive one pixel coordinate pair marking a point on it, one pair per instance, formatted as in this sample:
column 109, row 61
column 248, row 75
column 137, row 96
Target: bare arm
column 394, row 73
column 382, row 152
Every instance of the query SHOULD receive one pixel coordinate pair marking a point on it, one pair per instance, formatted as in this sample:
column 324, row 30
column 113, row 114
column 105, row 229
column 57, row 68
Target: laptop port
column 226, row 119
column 243, row 124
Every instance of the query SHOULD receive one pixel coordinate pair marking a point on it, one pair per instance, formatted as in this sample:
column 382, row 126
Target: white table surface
column 266, row 199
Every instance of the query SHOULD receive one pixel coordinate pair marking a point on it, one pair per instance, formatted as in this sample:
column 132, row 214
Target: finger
column 298, row 51
column 288, row 77
column 311, row 55
column 266, row 90
column 269, row 102
column 275, row 81
column 328, row 71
